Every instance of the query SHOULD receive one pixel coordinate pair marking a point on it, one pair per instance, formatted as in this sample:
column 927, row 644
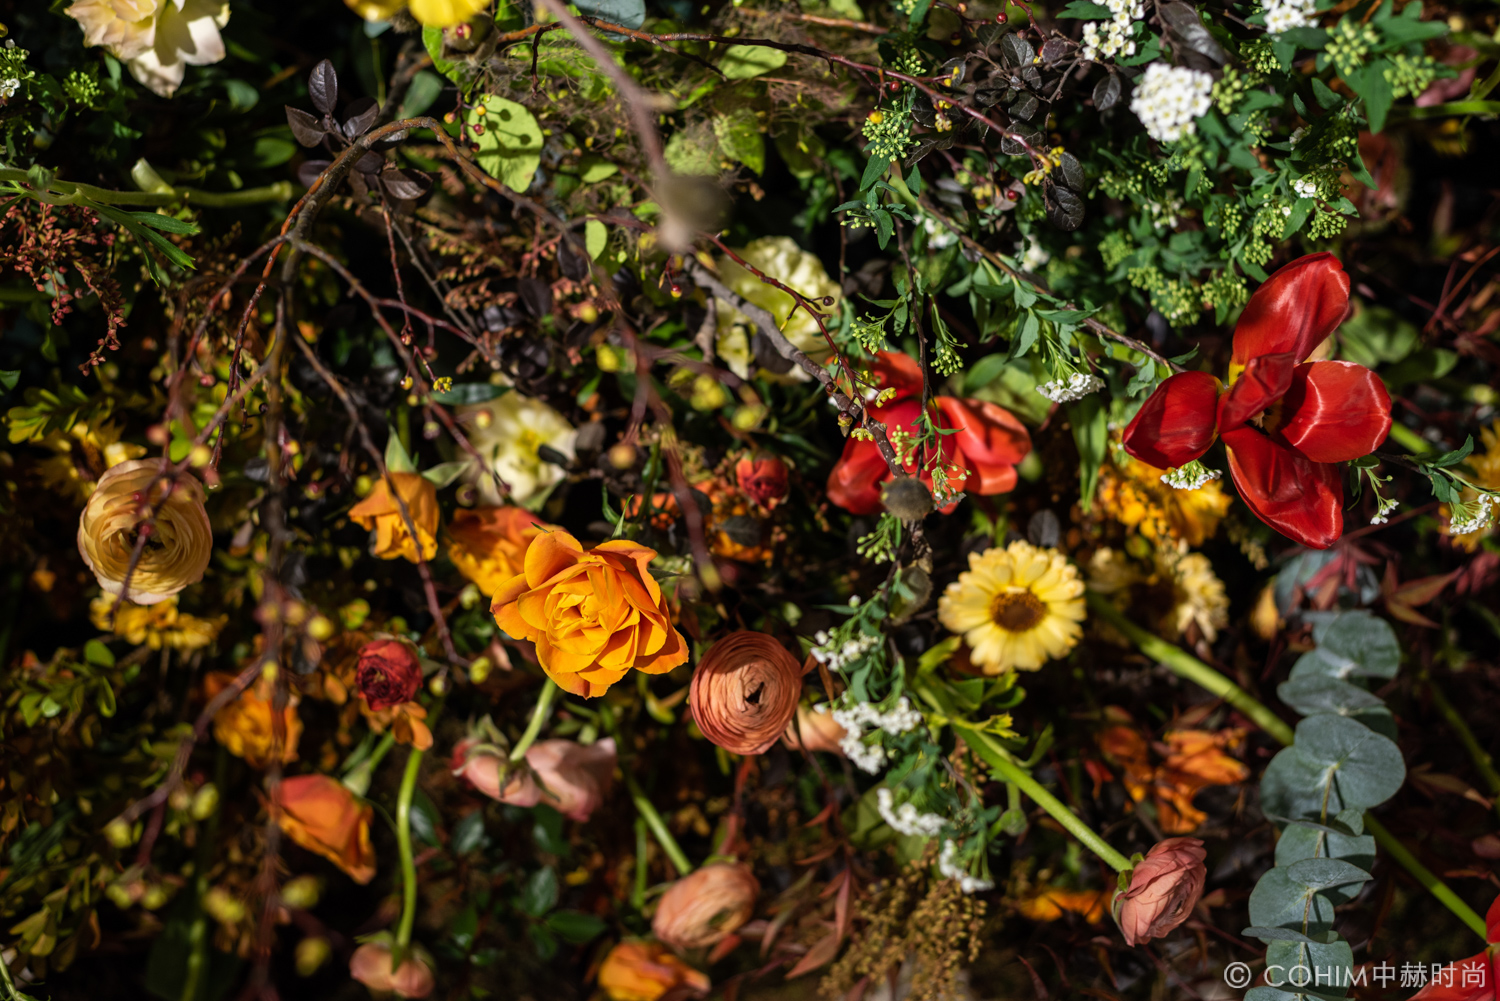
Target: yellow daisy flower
column 1178, row 589
column 1017, row 607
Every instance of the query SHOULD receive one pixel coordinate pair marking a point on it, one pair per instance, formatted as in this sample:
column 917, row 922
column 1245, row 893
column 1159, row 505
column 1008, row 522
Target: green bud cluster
column 1348, row 45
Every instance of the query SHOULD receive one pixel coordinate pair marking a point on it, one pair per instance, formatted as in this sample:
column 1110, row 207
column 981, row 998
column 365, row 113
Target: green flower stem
column 1184, row 665
column 653, row 820
column 8, row 990
column 998, row 758
column 1483, row 762
column 69, row 193
column 198, row 939
column 357, row 778
column 408, row 863
column 1409, row 439
column 1187, row 666
column 538, row 718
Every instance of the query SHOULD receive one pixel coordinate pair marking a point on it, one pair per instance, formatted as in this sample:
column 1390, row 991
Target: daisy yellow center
column 1017, row 611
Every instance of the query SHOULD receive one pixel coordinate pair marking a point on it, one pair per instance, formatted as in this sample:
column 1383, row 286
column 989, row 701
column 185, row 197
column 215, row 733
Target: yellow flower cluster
column 1174, row 589
column 155, row 626
column 1132, row 493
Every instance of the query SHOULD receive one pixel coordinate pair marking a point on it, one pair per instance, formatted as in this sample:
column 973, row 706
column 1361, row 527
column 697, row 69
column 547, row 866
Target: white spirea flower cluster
column 871, row 757
column 907, row 819
column 1112, row 38
column 9, row 87
column 1306, row 187
column 1169, row 99
column 1475, row 518
column 834, row 655
column 966, row 883
column 1034, row 258
column 1165, row 214
column 1284, row 15
column 939, row 237
column 1079, row 385
column 1189, row 477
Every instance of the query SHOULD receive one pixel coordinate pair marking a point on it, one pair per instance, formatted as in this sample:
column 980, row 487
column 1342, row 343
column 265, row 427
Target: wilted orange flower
column 323, row 816
column 381, row 512
column 706, row 906
column 644, row 971
column 1192, row 761
column 763, row 480
column 488, row 544
column 245, row 727
column 1051, row 902
column 407, row 721
column 178, row 545
column 593, row 614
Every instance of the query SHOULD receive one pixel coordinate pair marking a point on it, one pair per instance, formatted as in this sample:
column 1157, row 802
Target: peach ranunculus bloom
column 178, row 548
column 745, row 692
column 570, row 777
column 157, row 39
column 323, row 816
column 245, row 727
column 1165, row 886
column 644, row 971
column 488, row 544
column 593, row 615
column 371, row 966
column 706, row 906
column 819, row 730
column 381, row 512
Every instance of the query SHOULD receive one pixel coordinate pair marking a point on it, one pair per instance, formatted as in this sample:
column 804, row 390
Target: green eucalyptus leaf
column 1323, row 873
column 1278, row 901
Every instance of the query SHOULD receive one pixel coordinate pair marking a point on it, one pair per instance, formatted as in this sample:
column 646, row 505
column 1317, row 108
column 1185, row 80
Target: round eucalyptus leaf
column 1323, row 694
column 1365, row 768
column 1280, row 902
column 1322, row 873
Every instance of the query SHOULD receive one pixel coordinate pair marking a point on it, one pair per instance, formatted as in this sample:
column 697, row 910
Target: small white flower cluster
column 1113, row 39
column 1383, row 512
column 966, row 883
column 836, row 655
column 871, row 757
column 1189, row 477
column 1284, row 15
column 1297, row 134
column 1034, row 257
column 1169, row 99
column 1306, row 187
column 908, row 819
column 1468, row 520
column 939, row 237
column 1079, row 385
column 1164, row 215
column 9, row 87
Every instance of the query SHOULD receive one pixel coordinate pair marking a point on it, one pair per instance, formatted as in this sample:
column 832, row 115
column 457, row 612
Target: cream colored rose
column 778, row 257
column 177, row 550
column 508, row 432
column 157, row 39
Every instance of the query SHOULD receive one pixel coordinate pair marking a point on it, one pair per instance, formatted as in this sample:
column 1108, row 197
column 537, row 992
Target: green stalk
column 408, row 863
column 1409, row 439
column 998, row 758
column 197, row 962
column 653, row 820
column 1187, row 666
column 68, row 192
column 357, row 778
column 538, row 718
column 1184, row 665
column 8, row 986
column 1482, row 760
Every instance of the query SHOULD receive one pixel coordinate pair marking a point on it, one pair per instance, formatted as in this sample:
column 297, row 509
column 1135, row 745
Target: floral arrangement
column 650, row 501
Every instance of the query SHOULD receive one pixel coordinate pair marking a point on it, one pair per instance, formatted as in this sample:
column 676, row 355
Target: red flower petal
column 1264, row 381
column 1176, row 423
column 989, row 443
column 1492, row 923
column 1335, row 411
column 1449, row 984
column 894, row 370
column 854, row 484
column 1297, row 307
column 1301, row 499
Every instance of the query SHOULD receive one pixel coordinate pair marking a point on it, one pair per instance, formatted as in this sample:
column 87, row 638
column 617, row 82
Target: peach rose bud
column 706, row 906
column 567, row 776
column 819, row 730
column 745, row 692
column 178, row 545
column 645, row 971
column 1164, row 889
column 371, row 966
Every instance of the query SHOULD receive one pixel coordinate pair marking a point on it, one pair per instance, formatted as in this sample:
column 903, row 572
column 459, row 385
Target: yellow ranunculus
column 381, row 512
column 178, row 547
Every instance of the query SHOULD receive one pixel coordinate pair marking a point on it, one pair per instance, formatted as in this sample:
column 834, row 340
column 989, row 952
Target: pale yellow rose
column 157, row 39
column 780, row 258
column 178, row 547
column 509, row 432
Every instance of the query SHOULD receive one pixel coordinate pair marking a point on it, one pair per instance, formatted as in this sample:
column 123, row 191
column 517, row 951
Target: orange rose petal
column 549, row 555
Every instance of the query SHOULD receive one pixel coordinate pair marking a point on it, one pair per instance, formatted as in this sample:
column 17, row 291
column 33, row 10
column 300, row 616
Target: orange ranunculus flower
column 1165, row 886
column 179, row 546
column 245, row 727
column 593, row 614
column 819, row 732
column 488, row 544
column 380, row 512
column 323, row 816
column 745, row 691
column 644, row 971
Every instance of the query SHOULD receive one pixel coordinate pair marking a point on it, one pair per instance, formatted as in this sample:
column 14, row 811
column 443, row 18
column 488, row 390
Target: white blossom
column 1306, row 187
column 1284, row 15
column 966, row 883
column 1112, row 38
column 1034, row 257
column 939, row 236
column 1466, row 520
column 9, row 87
column 1169, row 99
column 906, row 819
column 1189, row 477
column 1079, row 385
column 854, row 719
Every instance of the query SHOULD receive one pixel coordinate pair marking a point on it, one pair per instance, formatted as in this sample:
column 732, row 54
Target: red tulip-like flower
column 981, row 456
column 1286, row 421
column 1474, row 979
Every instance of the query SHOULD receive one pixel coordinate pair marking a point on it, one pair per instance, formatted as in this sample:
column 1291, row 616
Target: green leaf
column 741, row 62
column 426, row 87
column 1319, row 693
column 96, row 653
column 468, row 392
column 740, row 138
column 593, row 169
column 873, row 171
column 539, row 894
column 1333, row 961
column 444, row 473
column 1323, row 873
column 1376, row 90
column 595, row 238
column 1279, row 902
column 165, row 223
column 510, row 149
column 1452, row 458
column 575, row 926
column 1353, row 644
column 1091, row 434
column 1352, row 766
column 8, row 379
column 983, row 372
column 1084, row 10
column 625, row 13
column 468, row 833
column 396, row 459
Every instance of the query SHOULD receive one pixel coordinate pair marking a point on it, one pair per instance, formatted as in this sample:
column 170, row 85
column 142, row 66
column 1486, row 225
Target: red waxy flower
column 1285, row 421
column 988, row 443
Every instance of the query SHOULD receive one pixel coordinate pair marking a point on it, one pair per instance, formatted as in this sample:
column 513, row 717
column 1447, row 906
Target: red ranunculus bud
column 763, row 480
column 389, row 674
column 1164, row 889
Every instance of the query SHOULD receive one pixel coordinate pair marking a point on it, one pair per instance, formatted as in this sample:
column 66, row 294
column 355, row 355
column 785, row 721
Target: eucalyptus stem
column 1187, row 666
column 1482, row 759
column 408, row 863
column 538, row 718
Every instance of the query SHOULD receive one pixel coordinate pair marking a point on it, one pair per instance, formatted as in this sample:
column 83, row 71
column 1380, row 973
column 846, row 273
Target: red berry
column 1000, row 18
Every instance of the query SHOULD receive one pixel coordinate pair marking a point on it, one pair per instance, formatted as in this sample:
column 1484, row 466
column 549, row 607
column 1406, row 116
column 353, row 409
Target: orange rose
column 179, row 546
column 321, row 815
column 593, row 615
column 488, row 544
column 745, row 691
column 381, row 512
column 644, row 971
column 706, row 906
column 244, row 728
